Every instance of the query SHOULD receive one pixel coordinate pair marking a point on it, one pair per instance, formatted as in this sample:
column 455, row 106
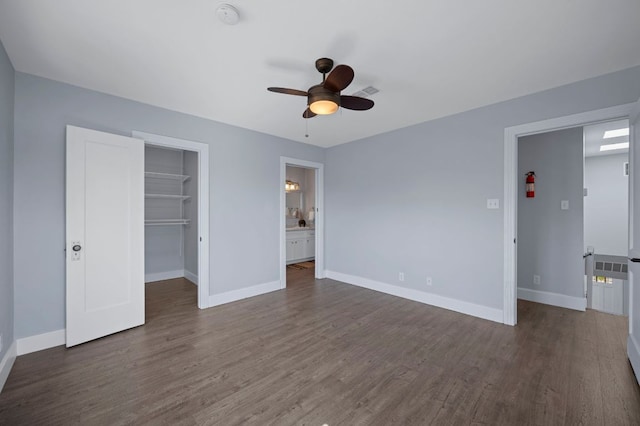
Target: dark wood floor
column 321, row 352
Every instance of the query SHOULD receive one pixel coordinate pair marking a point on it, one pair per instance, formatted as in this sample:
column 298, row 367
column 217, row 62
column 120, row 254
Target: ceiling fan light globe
column 323, row 107
column 322, row 101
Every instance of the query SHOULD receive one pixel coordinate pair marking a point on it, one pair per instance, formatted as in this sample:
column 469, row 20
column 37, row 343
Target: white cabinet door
column 295, row 249
column 290, row 250
column 104, row 233
column 309, row 247
column 298, row 248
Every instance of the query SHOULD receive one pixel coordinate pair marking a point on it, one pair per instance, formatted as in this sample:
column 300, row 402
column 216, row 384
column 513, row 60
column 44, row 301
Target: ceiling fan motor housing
column 320, row 98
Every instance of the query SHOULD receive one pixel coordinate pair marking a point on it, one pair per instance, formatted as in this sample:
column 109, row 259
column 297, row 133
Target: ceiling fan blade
column 287, row 91
column 308, row 113
column 356, row 103
column 339, row 78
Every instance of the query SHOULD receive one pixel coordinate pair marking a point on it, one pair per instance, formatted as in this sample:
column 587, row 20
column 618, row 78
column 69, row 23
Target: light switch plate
column 493, row 203
column 564, row 204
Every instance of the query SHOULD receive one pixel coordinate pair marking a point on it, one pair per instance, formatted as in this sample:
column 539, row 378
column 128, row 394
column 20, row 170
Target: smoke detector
column 227, row 14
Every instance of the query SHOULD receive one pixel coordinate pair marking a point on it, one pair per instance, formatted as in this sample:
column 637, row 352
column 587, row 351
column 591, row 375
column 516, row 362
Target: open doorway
column 177, row 212
column 301, row 223
column 606, row 215
column 550, row 266
column 573, row 222
column 513, row 181
column 300, row 189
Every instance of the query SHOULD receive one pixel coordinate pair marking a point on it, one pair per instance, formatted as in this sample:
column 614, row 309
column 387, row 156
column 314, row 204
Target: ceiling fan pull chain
column 306, row 128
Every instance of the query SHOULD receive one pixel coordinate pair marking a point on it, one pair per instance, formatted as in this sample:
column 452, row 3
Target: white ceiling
column 593, row 138
column 428, row 58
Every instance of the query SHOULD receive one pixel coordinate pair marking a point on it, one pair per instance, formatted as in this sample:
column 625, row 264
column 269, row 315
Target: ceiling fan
column 325, row 98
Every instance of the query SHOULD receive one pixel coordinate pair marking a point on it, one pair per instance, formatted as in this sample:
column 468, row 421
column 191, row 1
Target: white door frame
column 203, row 203
column 319, row 216
column 512, row 180
column 633, row 250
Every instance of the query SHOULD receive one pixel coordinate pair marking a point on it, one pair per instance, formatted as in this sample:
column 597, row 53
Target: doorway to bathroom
column 302, row 222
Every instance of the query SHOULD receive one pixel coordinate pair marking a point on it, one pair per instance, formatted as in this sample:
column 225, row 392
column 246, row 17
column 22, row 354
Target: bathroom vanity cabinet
column 301, row 245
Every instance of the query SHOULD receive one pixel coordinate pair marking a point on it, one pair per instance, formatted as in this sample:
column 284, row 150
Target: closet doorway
column 177, row 211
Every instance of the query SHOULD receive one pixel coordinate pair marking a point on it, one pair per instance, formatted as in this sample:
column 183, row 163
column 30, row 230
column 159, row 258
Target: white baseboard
column 633, row 352
column 26, row 345
column 160, row 276
column 191, row 277
column 554, row 299
column 6, row 364
column 243, row 293
column 467, row 308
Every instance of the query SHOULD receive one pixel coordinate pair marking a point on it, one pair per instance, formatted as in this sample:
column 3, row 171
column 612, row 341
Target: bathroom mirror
column 295, row 200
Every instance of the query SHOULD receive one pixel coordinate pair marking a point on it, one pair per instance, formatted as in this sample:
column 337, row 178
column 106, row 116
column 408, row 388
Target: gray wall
column 414, row 200
column 6, row 200
column 191, row 212
column 244, row 185
column 551, row 240
column 606, row 207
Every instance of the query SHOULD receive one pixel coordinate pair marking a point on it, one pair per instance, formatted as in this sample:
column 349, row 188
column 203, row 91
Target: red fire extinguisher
column 530, row 184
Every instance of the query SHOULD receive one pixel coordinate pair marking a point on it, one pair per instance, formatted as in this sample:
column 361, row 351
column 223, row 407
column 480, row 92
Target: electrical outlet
column 536, row 279
column 564, row 205
column 401, row 276
column 493, row 203
column 429, row 281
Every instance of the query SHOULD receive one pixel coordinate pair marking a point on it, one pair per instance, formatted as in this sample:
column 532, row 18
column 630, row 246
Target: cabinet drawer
column 292, row 235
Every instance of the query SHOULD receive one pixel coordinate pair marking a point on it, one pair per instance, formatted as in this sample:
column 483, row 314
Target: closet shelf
column 167, row 176
column 167, row 196
column 160, row 222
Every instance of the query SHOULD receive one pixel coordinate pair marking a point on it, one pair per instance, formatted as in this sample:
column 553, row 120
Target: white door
column 104, row 234
column 633, row 343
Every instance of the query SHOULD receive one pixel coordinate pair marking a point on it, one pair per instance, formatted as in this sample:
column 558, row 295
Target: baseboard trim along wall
column 243, row 293
column 160, row 276
column 554, row 299
column 39, row 342
column 460, row 306
column 633, row 352
column 6, row 364
column 191, row 277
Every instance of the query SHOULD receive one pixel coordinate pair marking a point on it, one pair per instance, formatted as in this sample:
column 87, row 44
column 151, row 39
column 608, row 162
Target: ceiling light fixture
column 614, row 146
column 616, row 133
column 323, row 101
